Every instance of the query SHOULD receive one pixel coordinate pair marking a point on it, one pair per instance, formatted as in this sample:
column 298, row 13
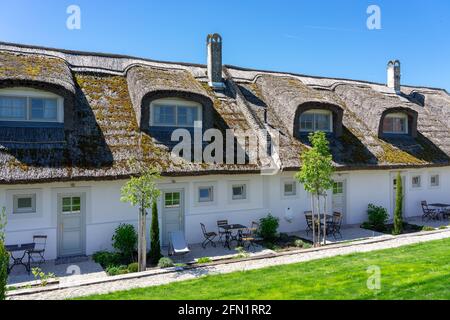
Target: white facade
column 103, row 211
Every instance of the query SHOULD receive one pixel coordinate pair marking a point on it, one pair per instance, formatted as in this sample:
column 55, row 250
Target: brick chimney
column 393, row 75
column 214, row 46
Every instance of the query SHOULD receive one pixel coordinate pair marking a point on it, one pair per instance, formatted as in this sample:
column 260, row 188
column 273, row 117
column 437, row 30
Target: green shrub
column 4, row 260
column 165, row 262
column 133, row 267
column 125, row 241
column 428, row 228
column 378, row 217
column 116, row 270
column 107, row 259
column 398, row 212
column 204, row 260
column 268, row 228
column 42, row 276
column 155, row 246
column 241, row 253
column 442, row 227
column 299, row 243
column 307, row 245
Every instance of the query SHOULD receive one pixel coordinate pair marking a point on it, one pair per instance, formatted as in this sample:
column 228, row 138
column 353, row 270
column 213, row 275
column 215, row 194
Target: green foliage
column 42, row 276
column 299, row 243
column 268, row 227
column 116, row 270
column 133, row 267
column 317, row 165
column 3, row 222
column 428, row 228
column 141, row 191
column 241, row 253
column 4, row 260
column 398, row 212
column 107, row 259
column 442, row 227
column 165, row 262
column 204, row 260
column 155, row 246
column 378, row 218
column 125, row 240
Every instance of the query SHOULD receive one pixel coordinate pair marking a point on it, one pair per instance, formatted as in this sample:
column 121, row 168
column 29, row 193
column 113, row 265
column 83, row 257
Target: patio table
column 442, row 207
column 229, row 237
column 18, row 260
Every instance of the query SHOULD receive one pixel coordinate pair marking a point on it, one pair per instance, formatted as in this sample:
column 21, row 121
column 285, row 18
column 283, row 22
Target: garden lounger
column 177, row 244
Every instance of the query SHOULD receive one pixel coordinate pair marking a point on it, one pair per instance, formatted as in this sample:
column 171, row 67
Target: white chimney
column 214, row 46
column 393, row 75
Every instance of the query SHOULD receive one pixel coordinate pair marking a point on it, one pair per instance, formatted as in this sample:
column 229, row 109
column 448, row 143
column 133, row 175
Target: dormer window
column 29, row 105
column 174, row 113
column 395, row 123
column 316, row 120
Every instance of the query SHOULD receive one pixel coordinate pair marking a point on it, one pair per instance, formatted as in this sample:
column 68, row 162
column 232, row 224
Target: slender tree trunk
column 313, row 221
column 318, row 220
column 142, row 241
column 325, row 219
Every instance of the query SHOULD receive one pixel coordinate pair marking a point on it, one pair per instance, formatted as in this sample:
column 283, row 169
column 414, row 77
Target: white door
column 172, row 215
column 339, row 198
column 71, row 225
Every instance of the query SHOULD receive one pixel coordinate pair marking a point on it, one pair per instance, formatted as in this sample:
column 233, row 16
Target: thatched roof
column 110, row 92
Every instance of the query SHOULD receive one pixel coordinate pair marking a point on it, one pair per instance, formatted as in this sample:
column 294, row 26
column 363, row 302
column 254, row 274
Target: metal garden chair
column 209, row 237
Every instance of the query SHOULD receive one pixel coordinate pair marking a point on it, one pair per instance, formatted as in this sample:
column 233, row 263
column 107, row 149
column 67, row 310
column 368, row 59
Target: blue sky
column 325, row 38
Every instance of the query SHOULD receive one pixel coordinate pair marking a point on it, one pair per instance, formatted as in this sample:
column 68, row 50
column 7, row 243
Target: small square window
column 416, row 183
column 239, row 192
column 338, row 188
column 24, row 203
column 289, row 188
column 434, row 180
column 205, row 194
column 172, row 199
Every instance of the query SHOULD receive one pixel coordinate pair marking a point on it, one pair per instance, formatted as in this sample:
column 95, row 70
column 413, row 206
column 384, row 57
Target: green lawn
column 419, row 271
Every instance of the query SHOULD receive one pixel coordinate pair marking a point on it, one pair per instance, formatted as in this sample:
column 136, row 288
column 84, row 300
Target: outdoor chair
column 336, row 224
column 309, row 222
column 250, row 235
column 37, row 254
column 209, row 237
column 429, row 214
column 178, row 244
column 221, row 231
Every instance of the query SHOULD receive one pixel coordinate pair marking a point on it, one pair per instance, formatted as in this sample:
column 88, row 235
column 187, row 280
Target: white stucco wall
column 104, row 211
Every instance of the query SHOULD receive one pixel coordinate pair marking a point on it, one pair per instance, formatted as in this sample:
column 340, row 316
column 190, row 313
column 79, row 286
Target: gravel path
column 391, row 242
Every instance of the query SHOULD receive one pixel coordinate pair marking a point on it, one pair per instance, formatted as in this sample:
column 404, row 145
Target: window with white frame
column 24, row 203
column 174, row 113
column 416, row 182
column 395, row 123
column 25, row 104
column 316, row 120
column 434, row 180
column 206, row 194
column 289, row 188
column 239, row 192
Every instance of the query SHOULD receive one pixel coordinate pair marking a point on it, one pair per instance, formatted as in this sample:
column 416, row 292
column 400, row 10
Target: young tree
column 4, row 256
column 315, row 174
column 155, row 247
column 398, row 213
column 141, row 191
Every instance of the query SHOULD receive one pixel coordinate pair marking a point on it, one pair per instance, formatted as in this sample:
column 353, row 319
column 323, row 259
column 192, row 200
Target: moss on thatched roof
column 109, row 93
